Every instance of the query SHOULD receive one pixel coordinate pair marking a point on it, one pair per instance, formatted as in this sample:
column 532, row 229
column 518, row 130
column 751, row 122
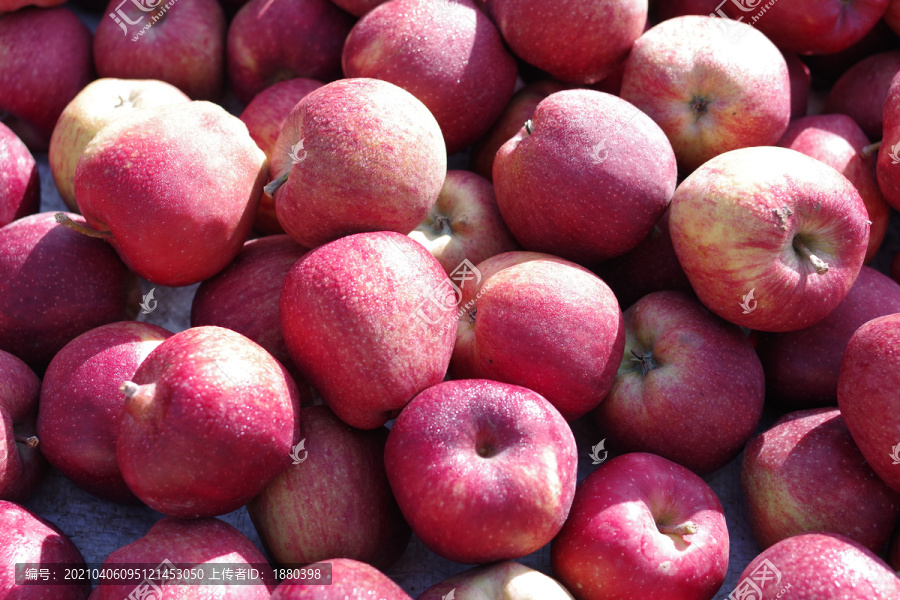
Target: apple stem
column 275, row 184
column 686, row 528
column 31, row 442
column 529, row 127
column 64, row 220
column 820, row 265
column 871, row 149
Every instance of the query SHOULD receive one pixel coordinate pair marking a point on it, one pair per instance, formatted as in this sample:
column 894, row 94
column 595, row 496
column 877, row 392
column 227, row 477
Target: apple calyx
column 273, row 185
column 31, row 441
column 699, row 106
column 64, row 220
column 682, row 529
column 442, row 225
column 801, row 247
column 138, row 398
column 645, row 360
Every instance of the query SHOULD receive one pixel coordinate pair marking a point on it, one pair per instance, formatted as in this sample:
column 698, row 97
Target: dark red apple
column 20, row 182
column 21, row 464
column 862, row 90
column 801, row 81
column 886, row 168
column 349, row 578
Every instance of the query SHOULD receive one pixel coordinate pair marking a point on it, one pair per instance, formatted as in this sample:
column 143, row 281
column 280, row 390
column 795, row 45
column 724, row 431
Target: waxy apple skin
column 886, row 168
column 27, row 538
column 507, row 580
column 683, row 370
column 642, row 527
column 365, row 319
column 210, row 418
column 177, row 186
column 371, row 159
column 81, row 404
column 20, row 182
column 709, row 93
column 72, row 283
column 774, row 222
column 21, row 464
column 805, row 474
column 867, row 394
column 587, row 180
column 348, row 578
column 544, row 323
column 482, row 470
column 337, row 502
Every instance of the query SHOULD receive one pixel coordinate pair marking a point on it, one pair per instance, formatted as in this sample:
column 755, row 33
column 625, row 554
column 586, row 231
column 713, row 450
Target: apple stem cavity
column 682, row 529
column 273, row 185
column 31, row 441
column 820, row 265
column 645, row 360
column 871, row 149
column 64, row 220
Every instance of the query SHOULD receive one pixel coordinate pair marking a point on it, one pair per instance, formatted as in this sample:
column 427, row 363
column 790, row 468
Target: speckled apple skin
column 558, row 196
column 178, row 186
column 707, row 385
column 806, row 474
column 373, row 159
column 273, row 40
column 802, row 367
column 81, row 405
column 885, row 170
column 21, row 467
column 449, row 55
column 733, row 223
column 742, row 78
column 20, row 182
column 351, row 579
column 825, row 565
column 350, row 318
column 544, row 323
column 214, row 421
column 575, row 41
column 837, row 141
column 610, row 546
column 472, row 508
column 337, row 502
column 30, row 65
column 55, row 284
column 507, row 580
column 867, row 393
column 186, row 543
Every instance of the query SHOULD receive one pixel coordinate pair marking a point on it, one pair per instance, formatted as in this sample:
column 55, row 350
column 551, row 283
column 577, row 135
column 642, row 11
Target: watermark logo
column 599, row 153
column 296, row 159
column 595, row 453
column 148, row 304
column 895, row 454
column 750, row 588
column 748, row 303
column 447, row 295
column 121, row 18
column 147, row 589
column 450, row 596
column 295, row 452
column 730, row 26
column 895, row 154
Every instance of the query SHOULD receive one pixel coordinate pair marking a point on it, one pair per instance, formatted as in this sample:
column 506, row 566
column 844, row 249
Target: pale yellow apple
column 507, row 580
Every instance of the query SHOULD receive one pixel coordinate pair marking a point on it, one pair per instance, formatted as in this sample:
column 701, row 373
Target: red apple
column 709, row 92
column 356, row 155
column 264, row 118
column 482, row 470
column 507, row 580
column 81, row 405
column 862, row 90
column 802, row 367
column 669, row 9
column 544, row 323
column 185, row 222
column 11, row 5
column 642, row 527
column 769, row 238
column 519, row 110
column 690, row 387
column 837, row 141
column 892, row 16
column 206, row 545
column 818, row 565
column 349, row 579
column 182, row 43
column 886, row 169
column 20, row 182
column 358, row 8
column 27, row 538
column 56, row 284
column 867, row 394
column 587, row 177
column 446, row 53
column 368, row 319
column 577, row 41
column 464, row 223
column 273, row 40
column 41, row 47
column 828, row 68
column 801, row 81
column 210, row 418
column 336, row 501
column 21, row 465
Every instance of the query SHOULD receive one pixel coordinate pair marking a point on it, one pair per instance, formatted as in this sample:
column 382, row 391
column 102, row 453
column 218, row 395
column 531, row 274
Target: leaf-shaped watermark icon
column 595, row 453
column 450, row 596
column 294, row 153
column 748, row 303
column 148, row 304
column 599, row 152
column 295, row 452
column 895, row 455
column 895, row 151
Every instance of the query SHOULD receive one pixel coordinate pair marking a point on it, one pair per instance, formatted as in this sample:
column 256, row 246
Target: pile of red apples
column 655, row 232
